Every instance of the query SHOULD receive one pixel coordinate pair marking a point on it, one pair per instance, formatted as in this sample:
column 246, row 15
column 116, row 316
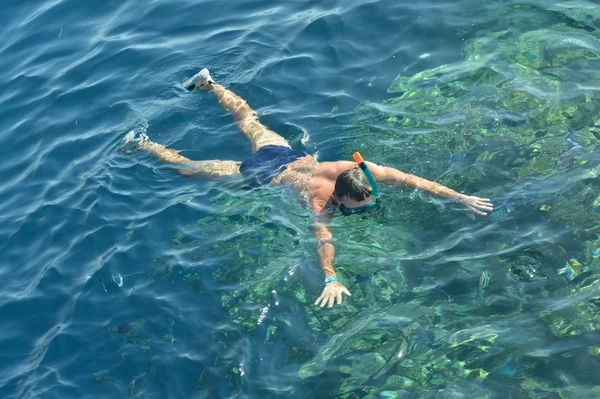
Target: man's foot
column 202, row 80
column 134, row 141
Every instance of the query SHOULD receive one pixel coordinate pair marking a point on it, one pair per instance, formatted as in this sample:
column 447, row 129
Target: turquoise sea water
column 120, row 278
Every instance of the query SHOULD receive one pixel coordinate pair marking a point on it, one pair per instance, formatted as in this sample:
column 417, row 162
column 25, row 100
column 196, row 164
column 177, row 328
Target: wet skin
column 315, row 183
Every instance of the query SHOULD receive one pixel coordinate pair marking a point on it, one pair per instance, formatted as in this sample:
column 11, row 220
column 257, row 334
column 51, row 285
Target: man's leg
column 203, row 169
column 245, row 118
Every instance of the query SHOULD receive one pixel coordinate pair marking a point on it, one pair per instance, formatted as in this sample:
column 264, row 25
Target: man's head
column 352, row 184
column 353, row 192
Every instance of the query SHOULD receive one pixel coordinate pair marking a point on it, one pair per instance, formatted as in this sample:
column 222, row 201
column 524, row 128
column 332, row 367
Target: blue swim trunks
column 268, row 162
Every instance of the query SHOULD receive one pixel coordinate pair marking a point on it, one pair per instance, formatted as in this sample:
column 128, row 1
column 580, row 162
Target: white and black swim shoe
column 200, row 79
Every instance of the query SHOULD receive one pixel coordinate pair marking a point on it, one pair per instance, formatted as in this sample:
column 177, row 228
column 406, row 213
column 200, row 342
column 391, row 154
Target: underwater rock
column 524, row 266
column 136, row 384
column 398, row 394
column 465, row 70
column 584, row 12
column 574, row 314
column 559, row 325
column 498, row 91
column 394, row 352
column 571, row 270
column 101, row 377
column 575, row 152
column 513, row 120
column 485, row 334
column 362, row 368
column 518, row 109
column 373, row 344
column 502, row 212
column 426, row 337
column 524, row 273
column 398, row 382
column 389, row 284
column 131, row 328
column 565, row 389
column 413, row 371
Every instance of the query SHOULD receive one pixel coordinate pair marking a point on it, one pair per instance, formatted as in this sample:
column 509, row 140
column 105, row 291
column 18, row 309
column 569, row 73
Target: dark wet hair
column 353, row 184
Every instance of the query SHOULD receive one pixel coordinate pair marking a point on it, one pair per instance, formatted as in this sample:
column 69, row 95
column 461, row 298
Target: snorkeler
column 350, row 186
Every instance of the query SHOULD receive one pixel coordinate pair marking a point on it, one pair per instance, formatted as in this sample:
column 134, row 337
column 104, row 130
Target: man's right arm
column 325, row 249
column 333, row 290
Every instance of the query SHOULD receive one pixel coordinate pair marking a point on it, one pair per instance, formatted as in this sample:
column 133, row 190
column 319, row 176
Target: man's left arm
column 384, row 174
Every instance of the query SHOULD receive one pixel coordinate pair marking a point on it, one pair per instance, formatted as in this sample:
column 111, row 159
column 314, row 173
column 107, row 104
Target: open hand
column 331, row 292
column 480, row 206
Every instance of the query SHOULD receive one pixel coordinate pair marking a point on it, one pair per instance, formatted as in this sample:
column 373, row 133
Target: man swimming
column 322, row 185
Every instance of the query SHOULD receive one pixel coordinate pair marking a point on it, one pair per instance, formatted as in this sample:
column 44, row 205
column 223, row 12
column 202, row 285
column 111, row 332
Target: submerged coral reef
column 436, row 313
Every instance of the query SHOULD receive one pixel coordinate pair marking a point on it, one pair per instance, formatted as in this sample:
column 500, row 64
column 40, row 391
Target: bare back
column 313, row 181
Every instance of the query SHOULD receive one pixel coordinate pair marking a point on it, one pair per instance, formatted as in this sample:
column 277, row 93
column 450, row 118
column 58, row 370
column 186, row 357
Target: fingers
column 331, row 297
column 331, row 300
column 485, row 204
column 487, row 207
column 477, row 211
column 323, row 299
column 480, row 201
column 479, row 207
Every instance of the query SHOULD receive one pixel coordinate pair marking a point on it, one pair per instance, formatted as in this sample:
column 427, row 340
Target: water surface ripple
column 120, row 278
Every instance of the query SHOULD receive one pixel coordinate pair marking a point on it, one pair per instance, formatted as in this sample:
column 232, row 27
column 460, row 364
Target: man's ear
column 334, row 199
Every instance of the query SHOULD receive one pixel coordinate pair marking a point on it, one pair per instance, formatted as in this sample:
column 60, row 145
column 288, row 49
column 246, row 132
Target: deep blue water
column 75, row 76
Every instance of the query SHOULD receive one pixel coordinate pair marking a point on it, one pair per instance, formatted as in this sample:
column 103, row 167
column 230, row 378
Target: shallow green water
column 123, row 279
column 506, row 306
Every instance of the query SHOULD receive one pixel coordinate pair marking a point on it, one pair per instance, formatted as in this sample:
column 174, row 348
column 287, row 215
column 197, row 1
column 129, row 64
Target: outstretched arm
column 393, row 176
column 333, row 290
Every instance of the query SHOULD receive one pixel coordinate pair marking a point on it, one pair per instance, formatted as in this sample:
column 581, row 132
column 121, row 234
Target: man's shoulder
column 334, row 169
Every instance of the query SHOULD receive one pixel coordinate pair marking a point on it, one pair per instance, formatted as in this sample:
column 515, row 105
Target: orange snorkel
column 361, row 163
